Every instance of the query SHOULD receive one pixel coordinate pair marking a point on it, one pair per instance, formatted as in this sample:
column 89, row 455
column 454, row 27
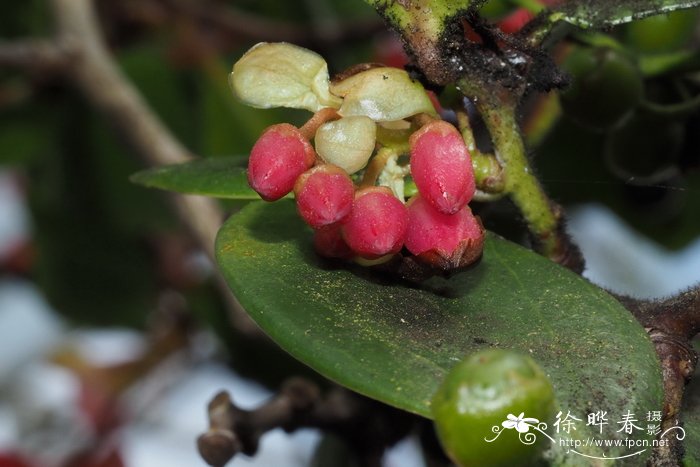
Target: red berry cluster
column 435, row 229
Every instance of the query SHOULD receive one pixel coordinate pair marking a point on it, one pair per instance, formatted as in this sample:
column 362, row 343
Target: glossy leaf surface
column 395, row 342
column 597, row 13
column 219, row 177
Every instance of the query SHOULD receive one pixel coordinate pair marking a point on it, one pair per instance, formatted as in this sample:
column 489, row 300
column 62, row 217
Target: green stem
column 488, row 173
column 423, row 23
column 520, row 182
column 541, row 215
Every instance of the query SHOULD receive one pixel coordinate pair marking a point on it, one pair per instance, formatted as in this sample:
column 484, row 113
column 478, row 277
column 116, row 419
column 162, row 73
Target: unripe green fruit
column 606, row 87
column 662, row 33
column 645, row 150
column 478, row 394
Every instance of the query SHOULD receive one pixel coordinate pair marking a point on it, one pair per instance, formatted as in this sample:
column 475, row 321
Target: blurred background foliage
column 104, row 247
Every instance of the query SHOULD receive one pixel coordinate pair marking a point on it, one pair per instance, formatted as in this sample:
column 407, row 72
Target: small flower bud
column 324, row 195
column 277, row 159
column 347, row 143
column 446, row 241
column 382, row 94
column 329, row 243
column 441, row 166
column 377, row 224
column 282, row 75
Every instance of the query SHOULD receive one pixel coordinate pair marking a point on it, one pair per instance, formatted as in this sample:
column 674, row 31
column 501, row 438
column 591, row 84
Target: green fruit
column 606, row 87
column 479, row 394
column 662, row 33
column 645, row 150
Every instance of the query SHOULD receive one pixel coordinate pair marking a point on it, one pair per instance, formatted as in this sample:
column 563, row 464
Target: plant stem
column 423, row 23
column 326, row 114
column 488, row 172
column 376, row 166
column 543, row 217
column 520, row 183
column 367, row 426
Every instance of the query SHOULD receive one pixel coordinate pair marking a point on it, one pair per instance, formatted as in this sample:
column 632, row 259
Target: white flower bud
column 347, row 143
column 382, row 94
column 282, row 75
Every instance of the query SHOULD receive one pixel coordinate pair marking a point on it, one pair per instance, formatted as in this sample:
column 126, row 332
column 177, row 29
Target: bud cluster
column 334, row 180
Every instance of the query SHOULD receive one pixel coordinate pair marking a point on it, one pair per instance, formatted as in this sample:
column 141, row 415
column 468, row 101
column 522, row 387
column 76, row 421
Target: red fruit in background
column 277, row 159
column 448, row 241
column 329, row 243
column 515, row 21
column 324, row 195
column 377, row 224
column 441, row 166
column 11, row 459
column 103, row 456
column 100, row 407
column 389, row 51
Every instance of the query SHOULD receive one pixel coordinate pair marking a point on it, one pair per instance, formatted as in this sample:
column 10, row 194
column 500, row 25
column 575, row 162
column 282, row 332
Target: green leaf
column 669, row 62
column 94, row 229
column 166, row 92
column 220, row 177
column 601, row 13
column 395, row 343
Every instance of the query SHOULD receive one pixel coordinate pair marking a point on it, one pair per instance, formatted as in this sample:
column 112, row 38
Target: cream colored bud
column 278, row 74
column 382, row 94
column 347, row 143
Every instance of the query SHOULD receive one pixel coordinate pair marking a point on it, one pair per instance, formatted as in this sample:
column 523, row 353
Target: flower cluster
column 373, row 130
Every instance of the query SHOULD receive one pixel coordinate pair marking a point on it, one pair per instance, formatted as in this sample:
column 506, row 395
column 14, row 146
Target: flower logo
column 521, row 423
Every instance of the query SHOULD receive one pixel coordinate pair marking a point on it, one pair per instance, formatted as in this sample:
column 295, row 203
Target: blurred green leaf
column 332, row 451
column 570, row 163
column 669, row 62
column 228, row 126
column 166, row 90
column 92, row 228
column 219, row 177
column 395, row 343
column 23, row 140
column 22, row 19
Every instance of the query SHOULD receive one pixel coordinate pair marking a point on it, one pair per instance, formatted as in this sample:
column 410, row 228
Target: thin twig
column 242, row 24
column 367, row 426
column 33, row 55
column 79, row 54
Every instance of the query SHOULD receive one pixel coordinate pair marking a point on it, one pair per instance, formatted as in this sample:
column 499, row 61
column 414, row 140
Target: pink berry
column 448, row 241
column 329, row 243
column 377, row 224
column 324, row 195
column 277, row 159
column 441, row 166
